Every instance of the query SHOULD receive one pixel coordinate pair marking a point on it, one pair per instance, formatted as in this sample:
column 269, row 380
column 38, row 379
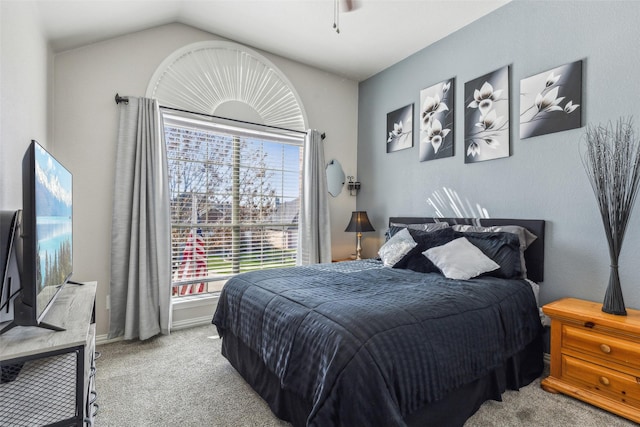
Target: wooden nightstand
column 595, row 356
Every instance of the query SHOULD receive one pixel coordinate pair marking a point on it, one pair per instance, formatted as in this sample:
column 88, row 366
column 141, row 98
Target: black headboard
column 534, row 255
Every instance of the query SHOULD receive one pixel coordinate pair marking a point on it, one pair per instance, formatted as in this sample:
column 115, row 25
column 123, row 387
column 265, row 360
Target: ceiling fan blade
column 350, row 5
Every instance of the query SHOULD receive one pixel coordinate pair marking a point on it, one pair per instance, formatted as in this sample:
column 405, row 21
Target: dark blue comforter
column 368, row 345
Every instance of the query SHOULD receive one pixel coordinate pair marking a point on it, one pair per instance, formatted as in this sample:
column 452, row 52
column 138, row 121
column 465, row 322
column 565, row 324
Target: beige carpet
column 183, row 380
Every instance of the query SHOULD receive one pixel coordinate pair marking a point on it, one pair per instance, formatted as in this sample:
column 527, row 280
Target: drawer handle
column 589, row 325
column 604, row 380
column 605, row 348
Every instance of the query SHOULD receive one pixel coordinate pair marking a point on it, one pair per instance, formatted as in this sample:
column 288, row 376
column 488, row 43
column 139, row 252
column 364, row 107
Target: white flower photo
column 551, row 101
column 436, row 121
column 486, row 117
column 400, row 129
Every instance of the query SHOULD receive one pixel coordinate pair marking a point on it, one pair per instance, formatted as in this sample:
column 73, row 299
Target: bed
column 362, row 343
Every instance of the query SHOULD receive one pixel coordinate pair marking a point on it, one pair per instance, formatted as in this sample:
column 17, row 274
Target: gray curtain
column 314, row 227
column 141, row 230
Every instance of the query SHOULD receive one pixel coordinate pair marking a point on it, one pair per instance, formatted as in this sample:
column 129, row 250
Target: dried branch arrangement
column 612, row 163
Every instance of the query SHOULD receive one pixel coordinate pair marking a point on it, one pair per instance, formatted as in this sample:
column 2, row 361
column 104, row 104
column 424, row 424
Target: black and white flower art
column 551, row 101
column 400, row 129
column 486, row 118
column 436, row 121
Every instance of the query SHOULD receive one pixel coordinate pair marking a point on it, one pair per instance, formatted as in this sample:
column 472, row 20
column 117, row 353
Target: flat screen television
column 10, row 284
column 46, row 236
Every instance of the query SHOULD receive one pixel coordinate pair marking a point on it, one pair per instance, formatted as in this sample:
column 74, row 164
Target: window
column 235, row 196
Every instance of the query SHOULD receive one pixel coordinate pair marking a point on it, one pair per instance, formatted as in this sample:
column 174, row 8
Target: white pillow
column 460, row 259
column 396, row 247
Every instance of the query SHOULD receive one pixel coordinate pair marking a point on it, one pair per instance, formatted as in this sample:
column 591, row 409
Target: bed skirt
column 451, row 411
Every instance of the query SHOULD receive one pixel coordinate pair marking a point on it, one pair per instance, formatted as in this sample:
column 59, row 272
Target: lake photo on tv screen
column 54, row 224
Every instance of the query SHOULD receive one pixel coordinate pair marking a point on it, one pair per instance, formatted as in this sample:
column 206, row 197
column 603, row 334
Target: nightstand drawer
column 600, row 345
column 606, row 382
column 595, row 356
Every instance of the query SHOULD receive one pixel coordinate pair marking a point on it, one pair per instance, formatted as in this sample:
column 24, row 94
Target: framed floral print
column 400, row 129
column 551, row 101
column 486, row 117
column 436, row 121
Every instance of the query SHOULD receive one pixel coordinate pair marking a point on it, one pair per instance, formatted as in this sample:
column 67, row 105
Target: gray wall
column 24, row 94
column 65, row 101
column 85, row 132
column 544, row 177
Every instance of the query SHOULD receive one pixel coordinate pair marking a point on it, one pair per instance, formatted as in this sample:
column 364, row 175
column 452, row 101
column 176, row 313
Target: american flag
column 193, row 264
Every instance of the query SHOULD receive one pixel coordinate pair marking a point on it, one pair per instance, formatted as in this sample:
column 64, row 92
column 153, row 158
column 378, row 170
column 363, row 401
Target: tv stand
column 23, row 316
column 39, row 325
column 48, row 377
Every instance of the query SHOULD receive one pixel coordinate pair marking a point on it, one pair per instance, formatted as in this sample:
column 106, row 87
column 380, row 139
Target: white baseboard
column 179, row 304
column 104, row 339
column 189, row 323
column 175, row 326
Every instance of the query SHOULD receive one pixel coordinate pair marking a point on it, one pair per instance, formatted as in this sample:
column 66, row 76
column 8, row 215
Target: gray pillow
column 394, row 227
column 414, row 260
column 525, row 237
column 396, row 247
column 501, row 247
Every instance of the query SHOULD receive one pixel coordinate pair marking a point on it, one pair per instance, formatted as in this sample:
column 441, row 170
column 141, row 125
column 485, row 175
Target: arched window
column 228, row 80
column 234, row 184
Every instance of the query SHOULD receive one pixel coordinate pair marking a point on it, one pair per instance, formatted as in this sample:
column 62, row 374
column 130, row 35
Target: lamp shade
column 359, row 222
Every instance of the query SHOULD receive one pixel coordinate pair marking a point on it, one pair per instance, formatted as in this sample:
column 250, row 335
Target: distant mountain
column 51, row 198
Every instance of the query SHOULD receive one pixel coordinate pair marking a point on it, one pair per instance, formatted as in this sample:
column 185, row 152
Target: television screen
column 54, row 226
column 44, row 248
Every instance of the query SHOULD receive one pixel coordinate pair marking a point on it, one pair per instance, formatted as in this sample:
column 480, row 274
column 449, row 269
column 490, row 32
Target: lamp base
column 359, row 247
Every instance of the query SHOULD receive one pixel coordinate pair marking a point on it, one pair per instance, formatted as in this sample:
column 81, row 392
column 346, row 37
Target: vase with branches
column 612, row 163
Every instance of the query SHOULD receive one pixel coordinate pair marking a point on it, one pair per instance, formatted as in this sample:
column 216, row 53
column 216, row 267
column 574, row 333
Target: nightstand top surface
column 589, row 311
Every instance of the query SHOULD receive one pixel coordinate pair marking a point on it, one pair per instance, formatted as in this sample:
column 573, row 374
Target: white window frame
column 251, row 132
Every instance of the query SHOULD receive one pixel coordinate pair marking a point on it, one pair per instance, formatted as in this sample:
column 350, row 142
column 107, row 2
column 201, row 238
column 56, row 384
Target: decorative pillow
column 414, row 260
column 502, row 247
column 396, row 247
column 525, row 237
column 392, row 231
column 460, row 259
column 427, row 226
column 394, row 227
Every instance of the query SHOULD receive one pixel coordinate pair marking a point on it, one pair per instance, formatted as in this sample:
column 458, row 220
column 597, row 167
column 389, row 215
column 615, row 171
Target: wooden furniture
column 595, row 356
column 52, row 372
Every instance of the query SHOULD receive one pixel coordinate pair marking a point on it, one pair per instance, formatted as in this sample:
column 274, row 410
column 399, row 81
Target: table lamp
column 359, row 222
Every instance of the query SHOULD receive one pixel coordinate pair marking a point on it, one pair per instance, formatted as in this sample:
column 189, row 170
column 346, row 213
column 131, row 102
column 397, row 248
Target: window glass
column 235, row 198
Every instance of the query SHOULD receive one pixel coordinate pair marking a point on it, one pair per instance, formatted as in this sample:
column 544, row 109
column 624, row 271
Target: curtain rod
column 122, row 99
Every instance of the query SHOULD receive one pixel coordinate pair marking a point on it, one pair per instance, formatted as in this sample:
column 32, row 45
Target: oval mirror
column 335, row 177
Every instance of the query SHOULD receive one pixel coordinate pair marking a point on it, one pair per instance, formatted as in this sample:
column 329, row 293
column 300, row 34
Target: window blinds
column 235, row 194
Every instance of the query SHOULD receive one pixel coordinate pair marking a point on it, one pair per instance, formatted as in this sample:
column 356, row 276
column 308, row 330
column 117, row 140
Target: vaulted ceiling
column 373, row 35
